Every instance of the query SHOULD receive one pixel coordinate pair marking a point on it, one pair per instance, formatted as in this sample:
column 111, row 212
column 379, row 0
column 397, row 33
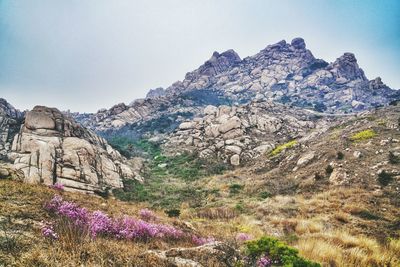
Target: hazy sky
column 84, row 55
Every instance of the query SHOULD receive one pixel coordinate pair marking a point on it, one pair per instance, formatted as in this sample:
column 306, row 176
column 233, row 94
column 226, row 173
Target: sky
column 83, row 55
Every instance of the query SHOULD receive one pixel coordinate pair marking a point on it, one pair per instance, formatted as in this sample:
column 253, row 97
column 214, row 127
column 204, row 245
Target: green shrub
column 328, row 169
column 366, row 214
column 340, row 155
column 385, row 178
column 235, row 188
column 393, row 159
column 239, row 207
column 363, row 135
column 282, row 147
column 318, row 176
column 265, row 195
column 173, row 212
column 277, row 251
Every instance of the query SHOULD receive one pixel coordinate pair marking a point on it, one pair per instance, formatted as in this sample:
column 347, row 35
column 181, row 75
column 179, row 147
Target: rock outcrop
column 240, row 133
column 212, row 254
column 10, row 121
column 52, row 148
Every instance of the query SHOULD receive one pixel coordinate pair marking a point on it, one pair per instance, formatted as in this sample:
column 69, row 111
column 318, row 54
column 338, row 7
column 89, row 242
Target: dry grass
column 23, row 203
column 342, row 249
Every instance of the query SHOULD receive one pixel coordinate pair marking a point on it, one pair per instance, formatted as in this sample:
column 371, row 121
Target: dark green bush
column 173, row 212
column 340, row 155
column 265, row 194
column 235, row 188
column 329, row 169
column 385, row 178
column 276, row 251
column 393, row 159
column 366, row 214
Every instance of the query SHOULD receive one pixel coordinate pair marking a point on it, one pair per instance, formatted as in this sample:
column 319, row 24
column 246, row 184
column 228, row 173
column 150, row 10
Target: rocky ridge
column 51, row 148
column 283, row 72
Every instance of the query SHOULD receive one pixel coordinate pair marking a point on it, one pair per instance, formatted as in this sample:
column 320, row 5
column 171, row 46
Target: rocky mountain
column 283, row 72
column 50, row 148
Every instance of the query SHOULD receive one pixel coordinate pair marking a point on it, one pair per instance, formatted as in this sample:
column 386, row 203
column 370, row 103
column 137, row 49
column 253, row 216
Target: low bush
column 385, row 178
column 265, row 194
column 340, row 155
column 363, row 135
column 367, row 215
column 282, row 147
column 268, row 249
column 328, row 169
column 393, row 159
column 235, row 188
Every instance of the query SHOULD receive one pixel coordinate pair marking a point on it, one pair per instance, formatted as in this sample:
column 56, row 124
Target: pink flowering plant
column 243, row 237
column 98, row 223
column 47, row 230
column 147, row 215
column 58, row 186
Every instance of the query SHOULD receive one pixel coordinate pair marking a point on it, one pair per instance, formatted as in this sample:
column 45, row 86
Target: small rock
column 235, row 160
column 357, row 154
column 305, row 159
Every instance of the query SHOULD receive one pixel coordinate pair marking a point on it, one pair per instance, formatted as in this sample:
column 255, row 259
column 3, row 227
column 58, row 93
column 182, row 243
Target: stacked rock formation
column 52, row 148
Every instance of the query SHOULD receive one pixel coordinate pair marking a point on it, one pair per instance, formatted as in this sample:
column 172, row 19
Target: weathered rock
column 230, row 124
column 51, row 147
column 306, row 158
column 213, row 254
column 338, row 177
column 235, row 160
column 357, row 154
column 10, row 121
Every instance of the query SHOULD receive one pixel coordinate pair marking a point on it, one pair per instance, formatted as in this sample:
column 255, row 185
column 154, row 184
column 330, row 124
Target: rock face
column 283, row 72
column 10, row 121
column 213, row 254
column 240, row 133
column 52, row 148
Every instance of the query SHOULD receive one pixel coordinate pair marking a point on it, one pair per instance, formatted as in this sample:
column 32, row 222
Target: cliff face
column 10, row 120
column 52, row 148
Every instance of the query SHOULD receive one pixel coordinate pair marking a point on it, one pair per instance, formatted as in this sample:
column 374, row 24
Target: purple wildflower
column 147, row 215
column 48, row 231
column 58, row 186
column 99, row 223
column 202, row 240
column 264, row 262
column 242, row 237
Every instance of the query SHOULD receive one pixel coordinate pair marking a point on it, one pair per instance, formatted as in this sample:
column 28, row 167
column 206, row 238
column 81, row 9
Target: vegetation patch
column 235, row 188
column 367, row 215
column 268, row 251
column 385, row 178
column 282, row 147
column 363, row 135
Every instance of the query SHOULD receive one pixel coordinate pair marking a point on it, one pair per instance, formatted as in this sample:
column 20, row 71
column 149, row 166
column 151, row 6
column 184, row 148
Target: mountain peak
column 346, row 67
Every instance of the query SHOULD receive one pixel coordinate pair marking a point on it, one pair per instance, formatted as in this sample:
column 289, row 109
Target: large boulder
column 52, row 148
